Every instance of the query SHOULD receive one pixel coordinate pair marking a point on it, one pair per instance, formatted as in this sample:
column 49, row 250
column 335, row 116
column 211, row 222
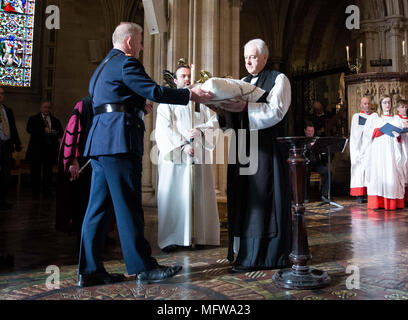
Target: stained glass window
column 16, row 42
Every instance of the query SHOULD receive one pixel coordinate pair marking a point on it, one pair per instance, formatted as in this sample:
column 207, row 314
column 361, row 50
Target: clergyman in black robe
column 259, row 202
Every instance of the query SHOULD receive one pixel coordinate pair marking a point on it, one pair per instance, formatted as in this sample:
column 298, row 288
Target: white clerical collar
column 254, row 79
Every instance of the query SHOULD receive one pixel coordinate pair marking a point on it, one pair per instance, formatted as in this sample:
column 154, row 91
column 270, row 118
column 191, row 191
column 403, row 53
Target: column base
column 312, row 279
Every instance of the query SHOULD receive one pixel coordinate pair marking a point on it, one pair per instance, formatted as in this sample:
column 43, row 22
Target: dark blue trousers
column 121, row 176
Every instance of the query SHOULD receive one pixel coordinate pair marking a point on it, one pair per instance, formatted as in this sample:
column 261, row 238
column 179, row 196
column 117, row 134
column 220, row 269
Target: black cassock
column 259, row 205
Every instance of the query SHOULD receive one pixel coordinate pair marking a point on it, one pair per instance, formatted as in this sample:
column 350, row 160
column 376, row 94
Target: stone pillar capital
column 369, row 27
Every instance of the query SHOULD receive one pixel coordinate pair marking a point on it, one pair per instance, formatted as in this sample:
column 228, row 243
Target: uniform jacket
column 123, row 80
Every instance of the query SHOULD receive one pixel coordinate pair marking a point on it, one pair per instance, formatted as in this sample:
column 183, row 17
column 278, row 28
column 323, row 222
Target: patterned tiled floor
column 371, row 245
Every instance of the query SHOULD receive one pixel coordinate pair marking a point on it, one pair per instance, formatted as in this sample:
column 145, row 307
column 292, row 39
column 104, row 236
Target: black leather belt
column 111, row 107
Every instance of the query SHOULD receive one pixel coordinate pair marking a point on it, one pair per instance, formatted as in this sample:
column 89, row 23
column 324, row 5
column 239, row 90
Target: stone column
column 395, row 37
column 372, row 46
column 206, row 34
column 154, row 61
column 383, row 39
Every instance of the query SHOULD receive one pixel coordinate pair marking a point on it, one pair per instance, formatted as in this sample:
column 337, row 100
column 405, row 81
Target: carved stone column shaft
column 206, row 34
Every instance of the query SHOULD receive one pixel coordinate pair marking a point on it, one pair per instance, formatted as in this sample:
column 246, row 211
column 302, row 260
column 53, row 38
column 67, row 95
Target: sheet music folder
column 389, row 128
column 335, row 144
column 362, row 121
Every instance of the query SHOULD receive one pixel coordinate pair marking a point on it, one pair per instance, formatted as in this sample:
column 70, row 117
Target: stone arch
column 115, row 12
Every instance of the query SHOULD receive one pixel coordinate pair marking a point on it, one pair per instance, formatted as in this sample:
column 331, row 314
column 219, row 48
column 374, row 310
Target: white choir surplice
column 357, row 187
column 383, row 160
column 402, row 122
column 173, row 195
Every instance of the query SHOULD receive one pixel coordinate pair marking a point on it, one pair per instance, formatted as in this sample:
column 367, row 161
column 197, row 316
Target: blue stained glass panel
column 16, row 42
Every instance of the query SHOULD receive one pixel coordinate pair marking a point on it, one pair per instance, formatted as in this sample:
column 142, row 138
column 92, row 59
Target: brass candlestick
column 357, row 66
column 405, row 60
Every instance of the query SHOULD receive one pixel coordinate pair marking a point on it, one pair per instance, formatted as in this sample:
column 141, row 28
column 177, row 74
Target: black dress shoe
column 170, row 248
column 201, row 247
column 94, row 279
column 325, row 199
column 157, row 274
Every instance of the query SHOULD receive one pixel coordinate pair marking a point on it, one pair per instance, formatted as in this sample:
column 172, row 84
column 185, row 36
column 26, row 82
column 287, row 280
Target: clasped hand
column 188, row 150
column 74, row 170
column 50, row 131
column 194, row 133
column 396, row 134
column 148, row 108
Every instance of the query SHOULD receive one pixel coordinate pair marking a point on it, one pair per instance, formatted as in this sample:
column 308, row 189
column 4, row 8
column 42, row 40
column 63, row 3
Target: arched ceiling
column 297, row 32
column 302, row 32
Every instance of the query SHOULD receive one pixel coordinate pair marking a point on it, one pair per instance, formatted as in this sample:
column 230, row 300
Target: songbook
column 362, row 121
column 389, row 128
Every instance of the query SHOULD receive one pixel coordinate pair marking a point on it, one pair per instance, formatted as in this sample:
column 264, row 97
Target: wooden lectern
column 300, row 276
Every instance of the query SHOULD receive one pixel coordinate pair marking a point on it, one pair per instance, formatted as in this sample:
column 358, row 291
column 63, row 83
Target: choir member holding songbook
column 383, row 158
column 402, row 118
column 357, row 188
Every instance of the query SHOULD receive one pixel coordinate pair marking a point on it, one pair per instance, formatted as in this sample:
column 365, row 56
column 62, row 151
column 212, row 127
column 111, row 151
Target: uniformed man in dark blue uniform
column 120, row 87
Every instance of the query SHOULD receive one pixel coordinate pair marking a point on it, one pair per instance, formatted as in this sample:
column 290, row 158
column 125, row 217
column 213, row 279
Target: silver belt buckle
column 109, row 108
column 140, row 114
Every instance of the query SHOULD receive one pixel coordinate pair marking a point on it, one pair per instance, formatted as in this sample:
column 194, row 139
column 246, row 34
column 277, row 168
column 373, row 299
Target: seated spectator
column 315, row 165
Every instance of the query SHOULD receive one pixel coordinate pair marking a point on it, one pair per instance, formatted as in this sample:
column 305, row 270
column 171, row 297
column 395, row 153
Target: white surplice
column 383, row 160
column 270, row 113
column 173, row 194
column 403, row 123
column 356, row 153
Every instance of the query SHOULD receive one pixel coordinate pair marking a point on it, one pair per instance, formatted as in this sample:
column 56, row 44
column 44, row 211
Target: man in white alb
column 173, row 133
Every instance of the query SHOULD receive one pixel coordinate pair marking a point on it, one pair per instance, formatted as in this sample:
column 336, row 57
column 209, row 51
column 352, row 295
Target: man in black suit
column 42, row 152
column 9, row 142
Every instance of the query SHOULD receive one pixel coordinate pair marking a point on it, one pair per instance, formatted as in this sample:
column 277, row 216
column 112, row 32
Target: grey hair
column 124, row 30
column 260, row 45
